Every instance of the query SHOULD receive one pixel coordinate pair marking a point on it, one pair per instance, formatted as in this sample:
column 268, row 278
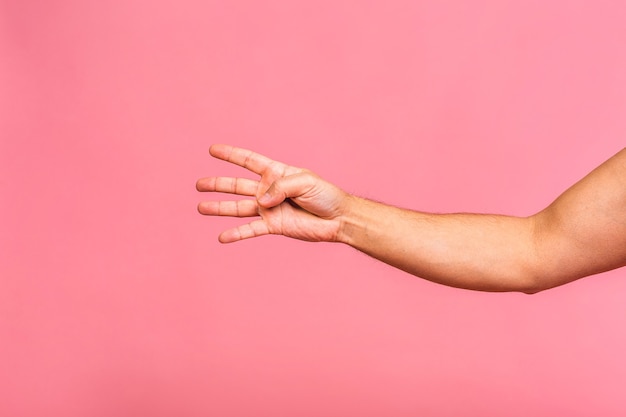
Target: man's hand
column 583, row 232
column 291, row 201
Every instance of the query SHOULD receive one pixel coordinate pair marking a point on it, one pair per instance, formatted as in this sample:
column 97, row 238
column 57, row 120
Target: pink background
column 116, row 298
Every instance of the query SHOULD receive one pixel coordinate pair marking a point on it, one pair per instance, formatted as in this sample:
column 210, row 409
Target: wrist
column 349, row 223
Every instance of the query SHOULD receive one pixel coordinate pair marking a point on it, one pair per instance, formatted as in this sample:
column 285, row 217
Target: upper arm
column 584, row 231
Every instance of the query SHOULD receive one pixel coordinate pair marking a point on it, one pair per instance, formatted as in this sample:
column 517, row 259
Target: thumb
column 291, row 186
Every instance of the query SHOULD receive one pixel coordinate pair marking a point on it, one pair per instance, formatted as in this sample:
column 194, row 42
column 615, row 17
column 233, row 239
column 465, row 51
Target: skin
column 583, row 232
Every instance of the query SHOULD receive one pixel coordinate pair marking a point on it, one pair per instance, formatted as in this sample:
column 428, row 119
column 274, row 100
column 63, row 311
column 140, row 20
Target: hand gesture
column 292, row 202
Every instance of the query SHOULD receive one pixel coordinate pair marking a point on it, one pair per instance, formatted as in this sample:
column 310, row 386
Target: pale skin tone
column 583, row 232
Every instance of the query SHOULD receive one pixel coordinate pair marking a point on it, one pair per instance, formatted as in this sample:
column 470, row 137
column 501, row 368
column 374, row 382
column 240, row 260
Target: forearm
column 473, row 251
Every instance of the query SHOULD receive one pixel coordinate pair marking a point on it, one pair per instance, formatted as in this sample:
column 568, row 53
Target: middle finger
column 240, row 186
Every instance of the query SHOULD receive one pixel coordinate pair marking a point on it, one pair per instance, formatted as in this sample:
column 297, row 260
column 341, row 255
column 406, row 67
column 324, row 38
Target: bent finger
column 242, row 208
column 291, row 186
column 245, row 231
column 241, row 186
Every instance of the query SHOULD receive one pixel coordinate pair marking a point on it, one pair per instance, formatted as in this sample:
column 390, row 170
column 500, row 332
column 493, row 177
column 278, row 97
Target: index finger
column 245, row 158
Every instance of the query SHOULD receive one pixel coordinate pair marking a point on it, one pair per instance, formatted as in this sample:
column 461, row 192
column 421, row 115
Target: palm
column 312, row 213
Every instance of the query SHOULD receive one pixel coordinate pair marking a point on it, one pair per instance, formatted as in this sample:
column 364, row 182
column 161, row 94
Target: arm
column 582, row 233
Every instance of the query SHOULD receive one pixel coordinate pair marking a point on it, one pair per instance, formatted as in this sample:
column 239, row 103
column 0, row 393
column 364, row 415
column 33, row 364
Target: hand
column 291, row 201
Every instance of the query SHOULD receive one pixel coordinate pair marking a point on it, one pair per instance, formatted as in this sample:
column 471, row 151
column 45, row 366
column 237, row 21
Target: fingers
column 292, row 186
column 242, row 208
column 248, row 159
column 240, row 186
column 245, row 231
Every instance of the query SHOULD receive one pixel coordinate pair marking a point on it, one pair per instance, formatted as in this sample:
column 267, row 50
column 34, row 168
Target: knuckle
column 309, row 176
column 276, row 188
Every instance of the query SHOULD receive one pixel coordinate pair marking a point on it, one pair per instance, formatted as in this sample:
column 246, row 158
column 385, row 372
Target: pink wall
column 116, row 298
